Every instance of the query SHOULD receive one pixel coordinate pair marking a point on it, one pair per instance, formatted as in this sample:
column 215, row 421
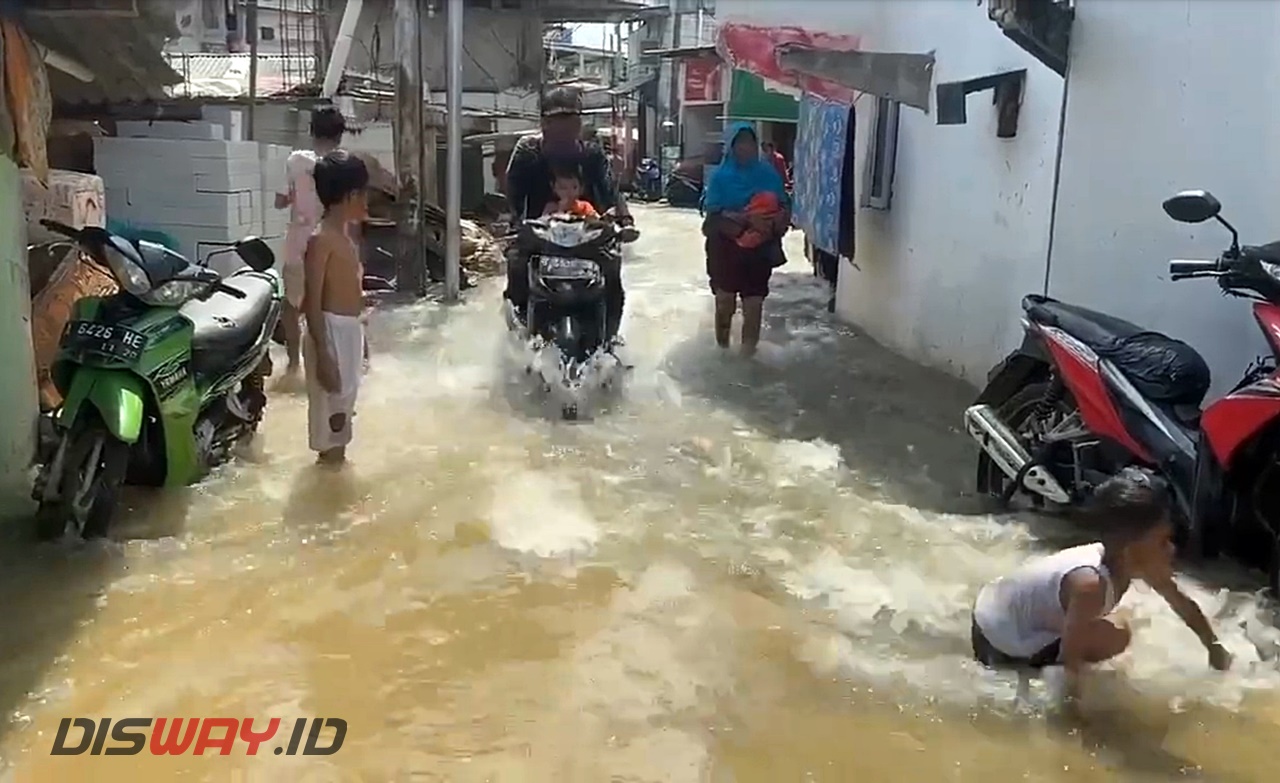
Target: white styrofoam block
column 233, row 166
column 152, row 216
column 224, row 181
column 141, row 196
column 232, row 119
column 69, row 197
column 196, row 131
column 144, row 149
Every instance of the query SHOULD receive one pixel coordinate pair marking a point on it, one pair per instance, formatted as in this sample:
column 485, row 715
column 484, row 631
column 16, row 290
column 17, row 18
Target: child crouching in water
column 1058, row 609
column 334, row 349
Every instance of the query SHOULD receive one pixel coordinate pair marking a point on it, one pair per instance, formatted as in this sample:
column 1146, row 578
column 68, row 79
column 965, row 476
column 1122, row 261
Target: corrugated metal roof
column 634, row 83
column 122, row 52
column 227, row 75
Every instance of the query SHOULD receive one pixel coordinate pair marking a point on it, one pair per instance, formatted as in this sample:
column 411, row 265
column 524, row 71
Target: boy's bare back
column 333, row 273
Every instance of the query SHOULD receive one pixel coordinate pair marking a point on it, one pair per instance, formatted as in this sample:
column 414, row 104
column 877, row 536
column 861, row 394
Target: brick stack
column 187, row 181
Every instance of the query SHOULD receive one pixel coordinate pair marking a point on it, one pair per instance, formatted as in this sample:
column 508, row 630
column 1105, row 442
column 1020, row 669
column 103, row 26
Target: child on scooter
column 566, row 184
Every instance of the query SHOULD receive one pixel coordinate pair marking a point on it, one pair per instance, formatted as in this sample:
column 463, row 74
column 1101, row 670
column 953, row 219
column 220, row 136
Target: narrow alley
column 743, row 570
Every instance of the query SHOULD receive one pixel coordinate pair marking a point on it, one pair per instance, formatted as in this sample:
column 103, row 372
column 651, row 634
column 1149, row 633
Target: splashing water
column 746, row 570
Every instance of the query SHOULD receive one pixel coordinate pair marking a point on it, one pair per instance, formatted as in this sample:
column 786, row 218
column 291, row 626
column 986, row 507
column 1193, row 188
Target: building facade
column 972, row 219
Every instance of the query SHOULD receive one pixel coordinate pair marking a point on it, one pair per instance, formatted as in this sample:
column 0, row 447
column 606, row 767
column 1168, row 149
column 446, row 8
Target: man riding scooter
column 529, row 190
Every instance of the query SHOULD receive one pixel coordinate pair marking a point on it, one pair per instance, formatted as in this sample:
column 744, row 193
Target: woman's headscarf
column 734, row 183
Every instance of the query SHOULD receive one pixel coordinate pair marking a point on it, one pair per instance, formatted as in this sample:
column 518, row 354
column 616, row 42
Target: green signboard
column 749, row 99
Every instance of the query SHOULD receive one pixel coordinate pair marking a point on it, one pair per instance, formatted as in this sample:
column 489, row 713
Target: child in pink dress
column 327, row 128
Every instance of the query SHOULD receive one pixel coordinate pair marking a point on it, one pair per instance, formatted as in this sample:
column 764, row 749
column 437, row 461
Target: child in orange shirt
column 765, row 205
column 566, row 183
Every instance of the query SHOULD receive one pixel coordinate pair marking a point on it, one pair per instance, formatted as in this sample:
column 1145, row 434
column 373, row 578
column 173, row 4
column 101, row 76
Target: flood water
column 746, row 570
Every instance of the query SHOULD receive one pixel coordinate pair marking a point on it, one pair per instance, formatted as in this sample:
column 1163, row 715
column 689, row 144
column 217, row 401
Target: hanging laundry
column 821, row 136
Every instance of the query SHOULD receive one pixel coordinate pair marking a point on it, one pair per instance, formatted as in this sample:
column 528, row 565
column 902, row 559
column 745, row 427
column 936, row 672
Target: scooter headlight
column 132, row 277
column 174, row 293
column 1271, row 269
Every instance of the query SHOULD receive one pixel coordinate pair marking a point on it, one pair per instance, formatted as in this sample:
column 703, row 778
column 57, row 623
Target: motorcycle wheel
column 92, row 474
column 1018, row 413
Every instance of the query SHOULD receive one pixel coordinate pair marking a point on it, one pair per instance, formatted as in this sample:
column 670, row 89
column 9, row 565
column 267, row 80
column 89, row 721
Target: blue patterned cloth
column 819, row 164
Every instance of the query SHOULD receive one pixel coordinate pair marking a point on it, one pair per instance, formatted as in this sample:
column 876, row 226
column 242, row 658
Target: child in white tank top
column 1058, row 609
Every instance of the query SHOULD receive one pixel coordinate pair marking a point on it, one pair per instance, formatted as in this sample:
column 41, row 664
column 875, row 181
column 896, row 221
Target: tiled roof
column 122, row 52
column 227, row 75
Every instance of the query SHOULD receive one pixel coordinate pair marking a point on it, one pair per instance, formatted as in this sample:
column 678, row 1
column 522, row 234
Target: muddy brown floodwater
column 753, row 571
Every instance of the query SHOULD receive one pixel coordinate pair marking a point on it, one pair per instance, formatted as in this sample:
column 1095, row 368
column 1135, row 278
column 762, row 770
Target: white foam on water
column 793, row 461
column 541, row 514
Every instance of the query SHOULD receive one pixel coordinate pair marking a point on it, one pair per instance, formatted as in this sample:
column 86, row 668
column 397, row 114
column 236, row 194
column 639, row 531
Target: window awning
column 755, row 49
column 905, row 78
column 701, row 50
column 749, row 99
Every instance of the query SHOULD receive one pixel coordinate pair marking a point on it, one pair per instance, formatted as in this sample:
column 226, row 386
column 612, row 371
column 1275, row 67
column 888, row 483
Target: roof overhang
column 82, row 70
column 905, row 78
column 684, row 51
column 633, row 84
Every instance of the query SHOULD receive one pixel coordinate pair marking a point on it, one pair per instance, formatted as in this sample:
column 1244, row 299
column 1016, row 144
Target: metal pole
column 453, row 202
column 410, row 265
column 251, row 30
column 342, row 48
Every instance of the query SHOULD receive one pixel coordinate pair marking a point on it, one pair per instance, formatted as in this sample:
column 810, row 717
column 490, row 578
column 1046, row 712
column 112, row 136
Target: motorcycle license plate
column 112, row 341
column 555, row 266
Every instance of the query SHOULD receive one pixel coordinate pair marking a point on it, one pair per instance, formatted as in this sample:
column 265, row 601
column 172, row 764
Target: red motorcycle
column 1087, row 394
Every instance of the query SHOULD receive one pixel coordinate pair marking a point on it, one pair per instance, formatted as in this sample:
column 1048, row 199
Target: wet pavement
column 741, row 570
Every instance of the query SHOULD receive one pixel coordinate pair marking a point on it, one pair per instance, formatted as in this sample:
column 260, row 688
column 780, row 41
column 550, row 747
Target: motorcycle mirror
column 1192, row 206
column 256, row 253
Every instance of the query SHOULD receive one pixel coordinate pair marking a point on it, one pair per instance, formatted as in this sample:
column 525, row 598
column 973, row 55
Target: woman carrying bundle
column 747, row 213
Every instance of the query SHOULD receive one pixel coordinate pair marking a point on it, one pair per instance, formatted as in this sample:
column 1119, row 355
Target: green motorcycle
column 159, row 381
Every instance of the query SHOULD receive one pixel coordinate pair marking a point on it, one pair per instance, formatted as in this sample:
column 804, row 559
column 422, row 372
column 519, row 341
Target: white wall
column 941, row 273
column 19, row 406
column 1168, row 95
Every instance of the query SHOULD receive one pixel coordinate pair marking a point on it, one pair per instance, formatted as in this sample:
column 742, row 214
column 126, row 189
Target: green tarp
column 750, row 100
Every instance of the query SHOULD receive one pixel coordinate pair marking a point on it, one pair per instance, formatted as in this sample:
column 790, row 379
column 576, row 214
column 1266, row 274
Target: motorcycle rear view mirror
column 256, row 253
column 1192, row 206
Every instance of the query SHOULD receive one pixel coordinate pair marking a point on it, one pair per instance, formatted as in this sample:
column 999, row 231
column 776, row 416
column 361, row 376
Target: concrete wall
column 201, row 26
column 1164, row 97
column 503, row 49
column 940, row 274
column 18, row 403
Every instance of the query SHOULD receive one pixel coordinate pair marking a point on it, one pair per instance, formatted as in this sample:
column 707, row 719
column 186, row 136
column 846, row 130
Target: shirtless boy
column 333, row 304
column 1058, row 609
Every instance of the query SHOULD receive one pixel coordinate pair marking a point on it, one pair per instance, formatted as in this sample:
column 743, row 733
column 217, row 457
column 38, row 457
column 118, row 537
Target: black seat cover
column 225, row 326
column 1162, row 369
column 1269, row 252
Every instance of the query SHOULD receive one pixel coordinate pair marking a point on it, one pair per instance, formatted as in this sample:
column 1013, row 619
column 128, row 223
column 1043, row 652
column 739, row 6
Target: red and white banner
column 754, row 49
column 702, row 77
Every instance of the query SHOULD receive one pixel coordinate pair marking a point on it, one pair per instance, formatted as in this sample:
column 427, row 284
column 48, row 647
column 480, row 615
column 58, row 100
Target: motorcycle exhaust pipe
column 1006, row 451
